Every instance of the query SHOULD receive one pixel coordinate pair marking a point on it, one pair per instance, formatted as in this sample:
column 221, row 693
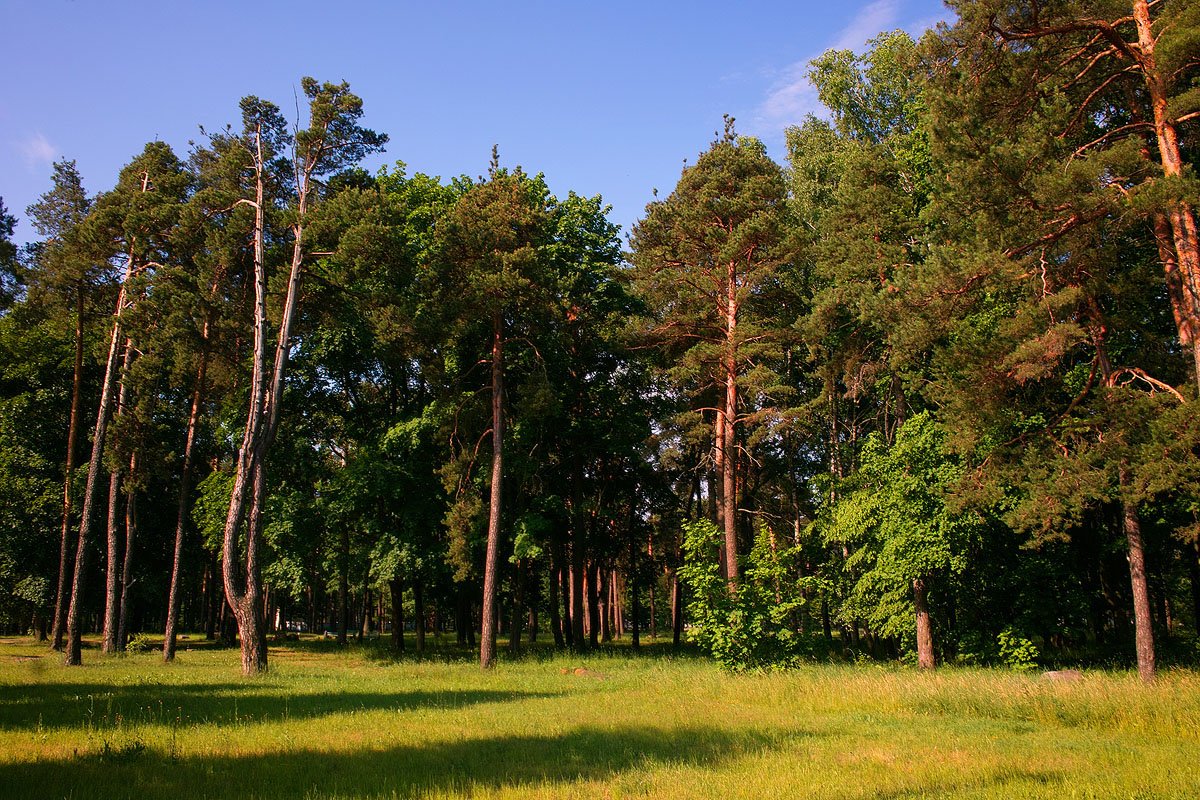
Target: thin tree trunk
column 728, row 419
column 553, row 582
column 592, row 589
column 64, row 553
column 131, row 522
column 343, row 592
column 397, row 614
column 1143, row 625
column 1192, row 556
column 87, row 513
column 924, row 629
column 676, row 610
column 112, row 570
column 419, row 611
column 487, row 644
column 181, row 511
column 514, row 632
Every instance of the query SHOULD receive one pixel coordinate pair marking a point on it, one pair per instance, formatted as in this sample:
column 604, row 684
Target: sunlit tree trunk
column 64, row 553
column 487, row 641
column 924, row 628
column 181, row 511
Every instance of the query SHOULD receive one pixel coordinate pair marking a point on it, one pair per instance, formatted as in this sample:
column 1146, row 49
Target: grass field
column 325, row 723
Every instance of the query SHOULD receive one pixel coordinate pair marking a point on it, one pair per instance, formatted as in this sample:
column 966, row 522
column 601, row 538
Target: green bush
column 756, row 626
column 143, row 643
column 1016, row 651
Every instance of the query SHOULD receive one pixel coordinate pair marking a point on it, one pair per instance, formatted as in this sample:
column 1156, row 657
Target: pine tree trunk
column 181, row 511
column 676, row 610
column 112, row 570
column 487, row 644
column 1143, row 624
column 1192, row 556
column 634, row 602
column 554, row 595
column 576, row 580
column 514, row 631
column 87, row 513
column 131, row 520
column 419, row 611
column 64, row 553
column 924, row 629
column 728, row 420
column 1180, row 213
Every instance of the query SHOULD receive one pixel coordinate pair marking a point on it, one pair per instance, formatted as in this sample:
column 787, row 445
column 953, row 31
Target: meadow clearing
column 356, row 723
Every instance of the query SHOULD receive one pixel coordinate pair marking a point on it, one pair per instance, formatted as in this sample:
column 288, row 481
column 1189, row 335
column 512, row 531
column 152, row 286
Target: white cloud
column 879, row 16
column 38, row 151
column 793, row 96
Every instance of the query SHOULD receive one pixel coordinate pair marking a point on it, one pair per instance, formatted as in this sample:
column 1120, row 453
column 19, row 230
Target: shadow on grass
column 463, row 766
column 450, row 651
column 105, row 706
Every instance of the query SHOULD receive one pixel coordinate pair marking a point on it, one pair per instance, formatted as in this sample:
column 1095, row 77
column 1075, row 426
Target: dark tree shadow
column 105, row 706
column 466, row 766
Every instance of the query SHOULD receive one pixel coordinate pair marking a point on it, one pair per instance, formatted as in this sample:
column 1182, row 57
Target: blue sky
column 603, row 97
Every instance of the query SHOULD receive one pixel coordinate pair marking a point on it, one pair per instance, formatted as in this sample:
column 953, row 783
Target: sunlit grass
column 356, row 724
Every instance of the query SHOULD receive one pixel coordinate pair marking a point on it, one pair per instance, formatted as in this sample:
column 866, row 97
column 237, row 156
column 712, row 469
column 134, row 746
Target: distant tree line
column 927, row 392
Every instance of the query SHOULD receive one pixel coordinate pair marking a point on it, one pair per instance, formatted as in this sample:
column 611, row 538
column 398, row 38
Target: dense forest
column 926, row 392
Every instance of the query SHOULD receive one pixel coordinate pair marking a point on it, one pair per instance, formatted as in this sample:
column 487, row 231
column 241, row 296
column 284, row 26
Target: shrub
column 1016, row 651
column 754, row 627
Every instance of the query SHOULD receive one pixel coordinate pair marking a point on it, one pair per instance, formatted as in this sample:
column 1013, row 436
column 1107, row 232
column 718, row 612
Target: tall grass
column 355, row 723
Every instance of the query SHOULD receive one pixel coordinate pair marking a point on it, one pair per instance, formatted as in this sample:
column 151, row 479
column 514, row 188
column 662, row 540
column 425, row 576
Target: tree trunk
column 514, row 631
column 112, row 570
column 727, row 421
column 487, row 642
column 554, row 582
column 214, row 600
column 87, row 513
column 181, row 511
column 676, row 610
column 924, row 629
column 1192, row 556
column 131, row 521
column 343, row 591
column 593, row 602
column 1180, row 213
column 1143, row 626
column 397, row 614
column 64, row 553
column 420, row 613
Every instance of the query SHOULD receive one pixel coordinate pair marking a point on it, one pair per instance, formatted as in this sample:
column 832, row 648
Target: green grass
column 326, row 723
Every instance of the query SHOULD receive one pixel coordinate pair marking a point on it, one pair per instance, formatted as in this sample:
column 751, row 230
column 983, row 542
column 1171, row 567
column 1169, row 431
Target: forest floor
column 356, row 723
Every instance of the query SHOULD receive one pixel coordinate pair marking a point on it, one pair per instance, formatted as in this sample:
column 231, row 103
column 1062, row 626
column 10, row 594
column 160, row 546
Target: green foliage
column 896, row 517
column 211, row 507
column 754, row 626
column 143, row 643
column 1016, row 652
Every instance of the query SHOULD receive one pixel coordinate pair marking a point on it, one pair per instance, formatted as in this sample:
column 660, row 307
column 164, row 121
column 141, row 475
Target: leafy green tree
column 754, row 628
column 908, row 536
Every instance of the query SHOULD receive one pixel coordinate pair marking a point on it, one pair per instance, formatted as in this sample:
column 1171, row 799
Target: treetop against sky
column 605, row 98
